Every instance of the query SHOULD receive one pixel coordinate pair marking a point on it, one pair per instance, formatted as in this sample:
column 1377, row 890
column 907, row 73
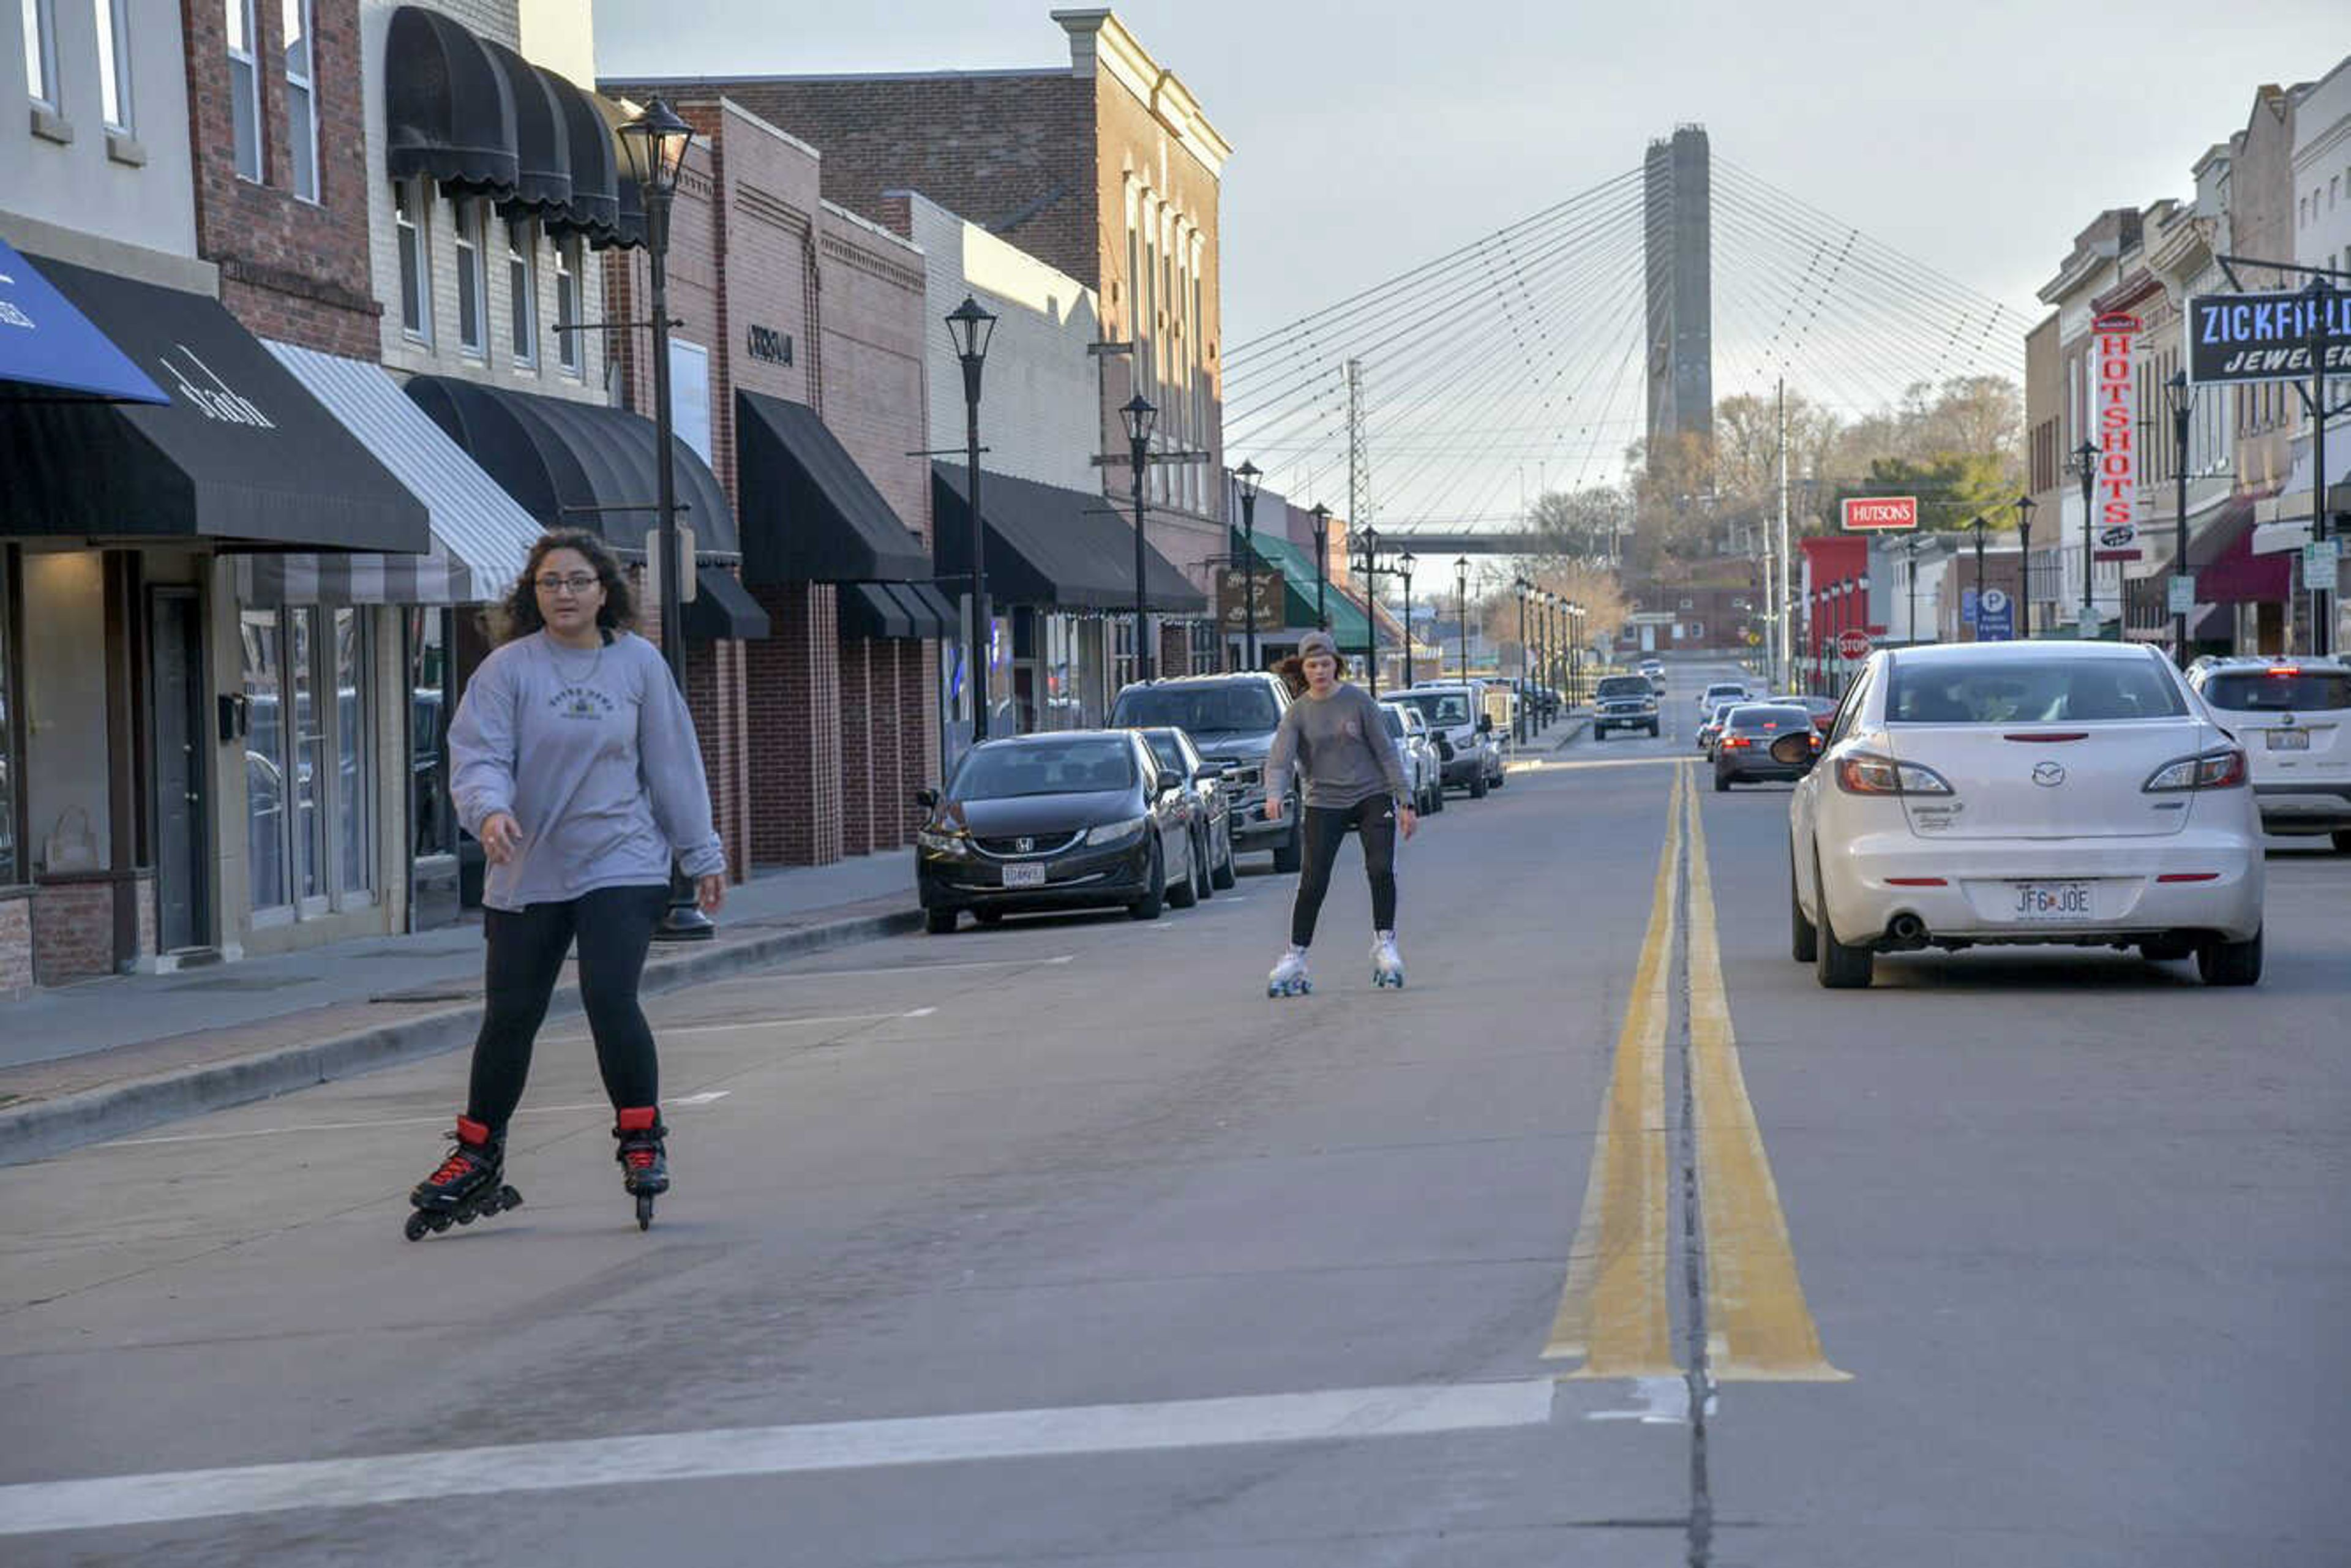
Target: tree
column 1587, row 523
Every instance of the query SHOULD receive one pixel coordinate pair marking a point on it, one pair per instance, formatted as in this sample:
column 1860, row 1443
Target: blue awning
column 49, row 351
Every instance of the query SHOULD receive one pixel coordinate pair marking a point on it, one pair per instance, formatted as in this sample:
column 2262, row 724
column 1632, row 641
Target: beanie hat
column 1316, row 644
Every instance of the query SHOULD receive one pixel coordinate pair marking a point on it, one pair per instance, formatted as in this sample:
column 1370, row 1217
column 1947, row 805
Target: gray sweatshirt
column 592, row 751
column 1341, row 746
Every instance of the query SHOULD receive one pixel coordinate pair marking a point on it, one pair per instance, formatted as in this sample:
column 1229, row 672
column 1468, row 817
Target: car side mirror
column 1169, row 784
column 1485, row 723
column 927, row 799
column 1208, row 770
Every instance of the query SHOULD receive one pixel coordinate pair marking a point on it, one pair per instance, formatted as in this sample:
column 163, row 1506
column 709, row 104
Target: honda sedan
column 2025, row 792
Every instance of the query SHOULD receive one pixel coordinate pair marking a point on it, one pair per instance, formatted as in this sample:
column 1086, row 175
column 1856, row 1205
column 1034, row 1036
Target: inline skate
column 1290, row 978
column 468, row 1184
column 643, row 1157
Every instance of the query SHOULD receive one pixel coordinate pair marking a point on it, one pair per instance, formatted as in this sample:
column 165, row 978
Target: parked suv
column 1231, row 718
column 2290, row 716
column 1624, row 702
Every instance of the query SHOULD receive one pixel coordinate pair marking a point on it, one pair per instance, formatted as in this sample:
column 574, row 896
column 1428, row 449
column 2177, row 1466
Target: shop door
column 182, row 840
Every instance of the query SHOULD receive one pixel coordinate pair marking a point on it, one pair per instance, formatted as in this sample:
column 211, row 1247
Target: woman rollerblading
column 577, row 768
column 1333, row 735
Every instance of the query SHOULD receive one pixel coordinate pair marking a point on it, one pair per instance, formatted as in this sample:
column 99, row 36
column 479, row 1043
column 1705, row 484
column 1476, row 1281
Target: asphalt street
column 1611, row 1239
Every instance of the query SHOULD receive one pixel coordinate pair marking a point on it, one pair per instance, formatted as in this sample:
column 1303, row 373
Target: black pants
column 614, row 926
column 1374, row 821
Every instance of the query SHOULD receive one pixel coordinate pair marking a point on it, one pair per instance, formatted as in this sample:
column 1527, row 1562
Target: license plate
column 2051, row 900
column 1024, row 875
column 2288, row 740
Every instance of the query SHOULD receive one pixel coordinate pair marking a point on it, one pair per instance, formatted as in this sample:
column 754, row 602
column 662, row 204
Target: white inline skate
column 1387, row 963
column 1290, row 978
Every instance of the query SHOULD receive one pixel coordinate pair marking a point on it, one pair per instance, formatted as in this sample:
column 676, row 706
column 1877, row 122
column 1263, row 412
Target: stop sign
column 1853, row 644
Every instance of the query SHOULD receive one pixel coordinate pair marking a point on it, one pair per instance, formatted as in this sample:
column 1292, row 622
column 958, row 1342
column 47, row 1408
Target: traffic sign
column 2319, row 558
column 2182, row 595
column 1994, row 618
column 1853, row 643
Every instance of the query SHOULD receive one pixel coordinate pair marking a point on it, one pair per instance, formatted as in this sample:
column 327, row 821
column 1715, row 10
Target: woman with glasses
column 576, row 767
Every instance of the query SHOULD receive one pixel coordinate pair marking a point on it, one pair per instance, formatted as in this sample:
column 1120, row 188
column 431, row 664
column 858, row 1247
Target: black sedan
column 1756, row 744
column 1062, row 821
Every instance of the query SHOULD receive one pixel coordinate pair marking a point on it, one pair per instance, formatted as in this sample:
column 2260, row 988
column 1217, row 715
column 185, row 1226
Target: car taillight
column 2221, row 770
column 1866, row 773
column 1736, row 743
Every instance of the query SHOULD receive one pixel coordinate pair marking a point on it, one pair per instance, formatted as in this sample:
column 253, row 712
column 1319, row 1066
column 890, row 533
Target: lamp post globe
column 1139, row 416
column 2025, row 507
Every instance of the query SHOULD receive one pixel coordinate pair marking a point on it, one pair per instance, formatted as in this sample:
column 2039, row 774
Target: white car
column 2025, row 792
column 2291, row 715
column 1721, row 692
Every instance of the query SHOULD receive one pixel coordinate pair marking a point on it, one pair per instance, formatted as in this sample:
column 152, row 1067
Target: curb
column 46, row 1128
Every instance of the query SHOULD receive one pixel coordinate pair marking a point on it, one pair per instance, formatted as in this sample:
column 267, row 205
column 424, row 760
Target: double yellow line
column 1612, row 1314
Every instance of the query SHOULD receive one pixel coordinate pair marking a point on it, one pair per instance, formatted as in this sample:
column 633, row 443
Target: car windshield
column 1759, row 717
column 1624, row 686
column 1439, row 708
column 1202, row 710
column 2056, row 689
column 1044, row 768
column 2280, row 691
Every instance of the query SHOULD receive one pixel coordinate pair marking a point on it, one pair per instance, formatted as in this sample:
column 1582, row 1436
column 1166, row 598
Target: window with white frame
column 522, row 291
column 567, row 351
column 409, row 208
column 40, row 51
column 114, row 63
column 244, row 89
column 301, row 98
column 472, row 282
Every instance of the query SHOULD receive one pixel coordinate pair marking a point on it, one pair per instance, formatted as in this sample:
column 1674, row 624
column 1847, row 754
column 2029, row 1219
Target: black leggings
column 614, row 926
column 1374, row 821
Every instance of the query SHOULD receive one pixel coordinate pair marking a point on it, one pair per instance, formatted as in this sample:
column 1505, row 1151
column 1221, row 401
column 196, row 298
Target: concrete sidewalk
column 108, row 1057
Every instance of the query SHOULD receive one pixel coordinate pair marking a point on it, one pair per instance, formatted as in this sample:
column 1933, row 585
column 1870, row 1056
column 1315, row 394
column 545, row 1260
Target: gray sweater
column 1341, row 744
column 592, row 752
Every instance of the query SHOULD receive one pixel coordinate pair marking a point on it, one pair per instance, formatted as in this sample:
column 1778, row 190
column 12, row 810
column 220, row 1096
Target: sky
column 1369, row 136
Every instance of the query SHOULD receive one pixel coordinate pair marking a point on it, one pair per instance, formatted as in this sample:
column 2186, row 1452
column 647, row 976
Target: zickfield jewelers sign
column 2267, row 337
column 2114, row 495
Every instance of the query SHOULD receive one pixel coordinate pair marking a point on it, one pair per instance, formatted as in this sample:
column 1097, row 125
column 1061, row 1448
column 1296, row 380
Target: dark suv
column 1624, row 702
column 1231, row 718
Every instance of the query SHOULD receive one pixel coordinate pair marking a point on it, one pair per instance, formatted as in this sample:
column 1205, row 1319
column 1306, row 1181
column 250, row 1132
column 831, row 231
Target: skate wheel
column 467, row 1215
column 644, row 1211
column 414, row 1228
column 439, row 1222
column 509, row 1197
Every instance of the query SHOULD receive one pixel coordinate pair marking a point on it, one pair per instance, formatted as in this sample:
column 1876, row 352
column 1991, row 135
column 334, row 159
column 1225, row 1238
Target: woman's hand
column 501, row 837
column 1408, row 819
column 709, row 893
column 1273, row 807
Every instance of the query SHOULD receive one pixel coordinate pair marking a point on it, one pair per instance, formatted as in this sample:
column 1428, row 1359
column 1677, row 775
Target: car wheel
column 1804, row 937
column 1147, row 907
column 1290, row 853
column 1653, row 732
column 1183, row 892
column 1722, row 783
column 2342, row 837
column 1223, row 875
column 1837, row 966
column 1204, row 883
column 938, row 922
column 2230, row 963
column 1477, row 785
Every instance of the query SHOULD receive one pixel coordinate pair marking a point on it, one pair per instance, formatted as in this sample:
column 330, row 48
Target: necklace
column 569, row 677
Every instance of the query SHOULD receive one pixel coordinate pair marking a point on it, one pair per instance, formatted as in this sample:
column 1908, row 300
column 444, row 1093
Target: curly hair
column 1292, row 670
column 518, row 614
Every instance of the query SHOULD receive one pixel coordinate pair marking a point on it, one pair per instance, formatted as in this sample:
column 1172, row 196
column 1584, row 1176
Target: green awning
column 1297, row 569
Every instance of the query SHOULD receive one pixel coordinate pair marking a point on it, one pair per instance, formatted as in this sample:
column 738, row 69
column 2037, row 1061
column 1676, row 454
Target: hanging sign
column 1866, row 514
column 2266, row 337
column 2114, row 515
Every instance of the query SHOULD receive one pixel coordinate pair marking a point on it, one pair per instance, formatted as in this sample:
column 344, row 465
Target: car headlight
column 1109, row 833
column 1866, row 773
column 939, row 841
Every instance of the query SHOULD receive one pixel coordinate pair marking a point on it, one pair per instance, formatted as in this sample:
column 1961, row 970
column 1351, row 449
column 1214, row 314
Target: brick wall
column 73, row 931
column 857, row 749
column 291, row 269
column 16, row 945
column 795, row 790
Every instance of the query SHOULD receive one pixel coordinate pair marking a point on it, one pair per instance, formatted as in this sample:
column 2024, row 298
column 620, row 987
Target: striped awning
column 480, row 536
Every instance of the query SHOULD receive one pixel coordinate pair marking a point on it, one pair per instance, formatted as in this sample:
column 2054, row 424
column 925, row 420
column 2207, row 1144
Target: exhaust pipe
column 1907, row 931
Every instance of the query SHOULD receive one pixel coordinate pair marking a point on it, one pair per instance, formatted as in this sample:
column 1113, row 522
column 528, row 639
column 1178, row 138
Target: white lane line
column 113, row 1501
column 705, row 1098
column 921, row 1012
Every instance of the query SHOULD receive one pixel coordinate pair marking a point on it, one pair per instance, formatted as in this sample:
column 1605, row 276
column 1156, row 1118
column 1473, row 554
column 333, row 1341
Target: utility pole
column 1783, row 634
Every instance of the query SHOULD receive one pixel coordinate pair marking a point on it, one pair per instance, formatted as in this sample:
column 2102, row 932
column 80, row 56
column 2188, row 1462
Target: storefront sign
column 2116, row 399
column 2266, row 337
column 1868, row 513
column 766, row 343
column 210, row 395
column 1232, row 610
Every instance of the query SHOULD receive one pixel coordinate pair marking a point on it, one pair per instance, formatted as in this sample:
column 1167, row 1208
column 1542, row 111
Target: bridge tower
column 1678, row 231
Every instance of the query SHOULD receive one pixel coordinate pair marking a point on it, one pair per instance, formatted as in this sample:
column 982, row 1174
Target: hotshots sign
column 2115, row 497
column 2267, row 337
column 1865, row 513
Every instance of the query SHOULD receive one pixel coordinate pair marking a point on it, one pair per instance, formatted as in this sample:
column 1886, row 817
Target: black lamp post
column 1521, row 587
column 1322, row 515
column 1978, row 528
column 1404, row 566
column 2181, row 396
column 1247, row 477
column 653, row 146
column 970, row 327
column 1575, row 613
column 1139, row 416
column 2085, row 465
column 2024, row 509
column 1367, row 542
column 1461, row 603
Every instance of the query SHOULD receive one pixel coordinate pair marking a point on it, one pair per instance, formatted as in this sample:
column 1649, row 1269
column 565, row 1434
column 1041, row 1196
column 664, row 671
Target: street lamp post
column 1978, row 528
column 1322, row 515
column 2181, row 396
column 969, row 328
column 1522, row 588
column 1138, row 415
column 655, row 146
column 1405, row 565
column 1366, row 543
column 2024, row 509
column 2085, row 464
column 1574, row 653
column 1247, row 477
column 1461, row 601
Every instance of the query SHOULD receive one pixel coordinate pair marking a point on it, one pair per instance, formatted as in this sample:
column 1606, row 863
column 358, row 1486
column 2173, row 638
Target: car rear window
column 1624, row 686
column 1202, row 710
column 1760, row 716
column 2280, row 691
column 1044, row 768
column 2054, row 689
column 1438, row 707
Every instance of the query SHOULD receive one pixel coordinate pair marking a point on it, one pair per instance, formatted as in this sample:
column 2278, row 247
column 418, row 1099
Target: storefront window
column 309, row 759
column 11, row 869
column 309, row 754
column 351, row 837
column 432, row 823
column 265, row 775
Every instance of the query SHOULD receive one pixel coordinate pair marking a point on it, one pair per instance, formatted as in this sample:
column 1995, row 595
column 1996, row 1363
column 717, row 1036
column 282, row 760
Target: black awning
column 578, row 464
column 628, row 229
column 809, row 514
column 594, row 208
column 542, row 135
column 1069, row 549
column 870, row 610
column 449, row 112
column 723, row 608
column 932, row 614
column 241, row 452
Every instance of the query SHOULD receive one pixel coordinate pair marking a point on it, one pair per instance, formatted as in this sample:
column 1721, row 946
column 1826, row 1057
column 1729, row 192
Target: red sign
column 2115, row 518
column 1853, row 643
column 1867, row 513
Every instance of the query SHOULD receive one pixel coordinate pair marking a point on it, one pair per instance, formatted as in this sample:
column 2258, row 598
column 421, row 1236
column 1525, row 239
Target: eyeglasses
column 578, row 584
